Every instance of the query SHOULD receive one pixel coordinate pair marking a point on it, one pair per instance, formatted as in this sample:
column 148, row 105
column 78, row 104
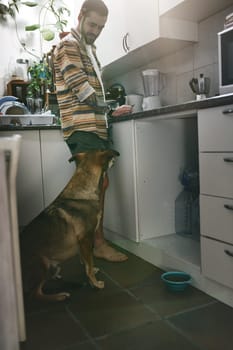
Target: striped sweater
column 76, row 80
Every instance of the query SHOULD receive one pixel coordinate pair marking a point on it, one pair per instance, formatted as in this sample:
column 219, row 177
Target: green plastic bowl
column 176, row 281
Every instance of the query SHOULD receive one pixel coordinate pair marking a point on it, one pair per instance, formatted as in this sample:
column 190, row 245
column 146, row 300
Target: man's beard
column 89, row 38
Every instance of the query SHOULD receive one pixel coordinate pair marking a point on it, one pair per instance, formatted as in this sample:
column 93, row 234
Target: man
column 80, row 95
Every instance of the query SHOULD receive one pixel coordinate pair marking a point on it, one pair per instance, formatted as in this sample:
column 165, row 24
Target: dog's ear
column 111, row 153
column 108, row 157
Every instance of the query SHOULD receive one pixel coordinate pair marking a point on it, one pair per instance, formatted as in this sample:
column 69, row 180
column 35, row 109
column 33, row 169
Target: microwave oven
column 225, row 60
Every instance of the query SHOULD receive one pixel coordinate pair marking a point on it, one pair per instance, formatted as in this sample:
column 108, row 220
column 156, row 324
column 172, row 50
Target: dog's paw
column 95, row 269
column 100, row 284
column 62, row 296
column 97, row 284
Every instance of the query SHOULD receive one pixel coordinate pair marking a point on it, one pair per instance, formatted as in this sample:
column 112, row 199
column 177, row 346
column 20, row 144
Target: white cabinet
column 217, row 261
column 144, row 183
column 147, row 37
column 43, row 170
column 215, row 127
column 120, row 205
column 160, row 156
column 56, row 168
column 191, row 10
column 130, row 24
column 142, row 22
column 29, row 176
column 168, row 5
column 216, row 213
column 110, row 42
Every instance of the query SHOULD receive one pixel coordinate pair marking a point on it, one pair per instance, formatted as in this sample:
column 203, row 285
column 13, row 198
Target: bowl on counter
column 176, row 281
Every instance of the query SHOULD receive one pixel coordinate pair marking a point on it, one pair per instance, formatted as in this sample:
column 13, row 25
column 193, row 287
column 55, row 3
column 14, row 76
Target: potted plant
column 39, row 83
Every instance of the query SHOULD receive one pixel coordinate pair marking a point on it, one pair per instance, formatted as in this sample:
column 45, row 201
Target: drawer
column 216, row 174
column 215, row 129
column 216, row 216
column 217, row 261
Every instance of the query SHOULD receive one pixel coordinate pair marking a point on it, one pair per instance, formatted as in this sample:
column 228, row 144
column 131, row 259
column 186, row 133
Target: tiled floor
column 134, row 311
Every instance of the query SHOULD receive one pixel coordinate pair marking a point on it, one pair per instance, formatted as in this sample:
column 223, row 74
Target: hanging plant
column 9, row 8
column 60, row 13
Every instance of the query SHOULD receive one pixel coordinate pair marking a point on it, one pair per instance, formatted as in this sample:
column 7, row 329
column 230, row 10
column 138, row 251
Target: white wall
column 11, row 48
column 181, row 66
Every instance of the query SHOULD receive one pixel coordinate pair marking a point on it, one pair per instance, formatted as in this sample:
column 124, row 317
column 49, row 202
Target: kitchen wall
column 12, row 34
column 180, row 67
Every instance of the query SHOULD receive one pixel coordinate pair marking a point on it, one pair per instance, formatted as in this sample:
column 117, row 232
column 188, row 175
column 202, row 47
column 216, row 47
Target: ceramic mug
column 135, row 101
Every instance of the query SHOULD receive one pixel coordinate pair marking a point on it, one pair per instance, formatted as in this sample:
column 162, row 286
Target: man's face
column 91, row 26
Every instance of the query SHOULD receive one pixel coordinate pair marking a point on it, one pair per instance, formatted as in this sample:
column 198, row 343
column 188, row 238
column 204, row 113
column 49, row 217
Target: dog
column 66, row 227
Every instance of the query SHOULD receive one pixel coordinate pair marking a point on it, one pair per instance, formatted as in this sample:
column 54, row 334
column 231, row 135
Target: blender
column 153, row 83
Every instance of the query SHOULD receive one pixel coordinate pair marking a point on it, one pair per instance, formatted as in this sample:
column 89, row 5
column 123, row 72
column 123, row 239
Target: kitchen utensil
column 194, row 85
column 200, row 87
column 135, row 101
column 116, row 92
column 153, row 83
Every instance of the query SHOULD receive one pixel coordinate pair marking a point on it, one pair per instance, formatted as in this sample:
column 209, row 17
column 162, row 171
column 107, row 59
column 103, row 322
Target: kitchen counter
column 181, row 107
column 170, row 109
column 11, row 127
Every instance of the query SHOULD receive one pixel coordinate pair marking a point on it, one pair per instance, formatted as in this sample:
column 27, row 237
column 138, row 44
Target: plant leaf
column 47, row 34
column 29, row 3
column 32, row 27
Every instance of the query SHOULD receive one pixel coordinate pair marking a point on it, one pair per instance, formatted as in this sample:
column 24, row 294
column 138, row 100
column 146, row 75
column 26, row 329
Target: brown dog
column 66, row 226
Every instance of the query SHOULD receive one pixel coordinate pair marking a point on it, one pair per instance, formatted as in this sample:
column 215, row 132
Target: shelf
column 195, row 10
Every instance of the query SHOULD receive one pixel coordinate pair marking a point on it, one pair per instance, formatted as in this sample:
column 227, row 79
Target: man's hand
column 97, row 103
column 122, row 110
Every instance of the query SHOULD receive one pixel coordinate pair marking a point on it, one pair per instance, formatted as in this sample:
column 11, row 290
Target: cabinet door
column 215, row 129
column 110, row 42
column 217, row 218
column 56, row 168
column 217, row 261
column 216, row 174
column 29, row 176
column 142, row 22
column 120, row 203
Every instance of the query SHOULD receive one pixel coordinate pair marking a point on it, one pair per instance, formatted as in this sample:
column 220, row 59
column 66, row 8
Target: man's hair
column 97, row 6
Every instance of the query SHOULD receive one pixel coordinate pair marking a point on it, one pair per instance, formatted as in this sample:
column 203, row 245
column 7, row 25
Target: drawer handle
column 228, row 253
column 228, row 111
column 228, row 206
column 228, row 160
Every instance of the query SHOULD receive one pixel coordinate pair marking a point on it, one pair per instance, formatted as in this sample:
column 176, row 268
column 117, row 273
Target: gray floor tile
column 129, row 273
column 166, row 303
column 51, row 330
column 157, row 335
column 211, row 326
column 104, row 314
